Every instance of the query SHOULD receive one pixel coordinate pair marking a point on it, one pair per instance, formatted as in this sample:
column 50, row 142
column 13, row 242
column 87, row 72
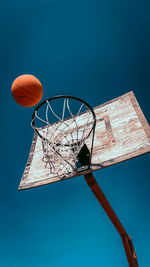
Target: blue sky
column 95, row 50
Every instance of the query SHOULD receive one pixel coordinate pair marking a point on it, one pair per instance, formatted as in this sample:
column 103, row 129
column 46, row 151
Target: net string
column 50, row 164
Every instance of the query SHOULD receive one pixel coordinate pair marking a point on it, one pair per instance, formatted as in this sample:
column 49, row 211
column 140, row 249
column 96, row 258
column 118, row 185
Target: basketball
column 27, row 90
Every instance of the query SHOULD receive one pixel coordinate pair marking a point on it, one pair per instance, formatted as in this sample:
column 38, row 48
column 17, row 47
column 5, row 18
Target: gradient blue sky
column 95, row 50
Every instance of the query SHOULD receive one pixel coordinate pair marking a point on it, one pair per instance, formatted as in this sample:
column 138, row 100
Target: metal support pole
column 127, row 242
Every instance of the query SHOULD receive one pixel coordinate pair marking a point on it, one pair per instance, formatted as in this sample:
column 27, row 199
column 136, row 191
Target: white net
column 63, row 139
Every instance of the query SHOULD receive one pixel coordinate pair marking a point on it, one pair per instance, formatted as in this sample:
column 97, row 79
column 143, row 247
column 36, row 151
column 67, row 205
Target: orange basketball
column 27, row 90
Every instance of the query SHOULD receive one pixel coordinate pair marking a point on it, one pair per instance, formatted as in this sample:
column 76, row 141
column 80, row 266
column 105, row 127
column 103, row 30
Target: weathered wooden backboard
column 122, row 132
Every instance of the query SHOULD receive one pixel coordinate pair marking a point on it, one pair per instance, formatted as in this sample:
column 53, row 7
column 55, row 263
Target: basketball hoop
column 63, row 145
column 59, row 123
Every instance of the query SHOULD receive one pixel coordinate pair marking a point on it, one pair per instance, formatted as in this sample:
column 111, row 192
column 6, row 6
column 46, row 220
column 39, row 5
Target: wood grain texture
column 121, row 133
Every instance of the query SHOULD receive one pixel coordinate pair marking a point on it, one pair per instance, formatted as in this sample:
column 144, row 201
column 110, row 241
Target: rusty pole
column 127, row 242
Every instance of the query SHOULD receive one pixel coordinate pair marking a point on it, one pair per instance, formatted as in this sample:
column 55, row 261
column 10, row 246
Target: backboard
column 121, row 133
